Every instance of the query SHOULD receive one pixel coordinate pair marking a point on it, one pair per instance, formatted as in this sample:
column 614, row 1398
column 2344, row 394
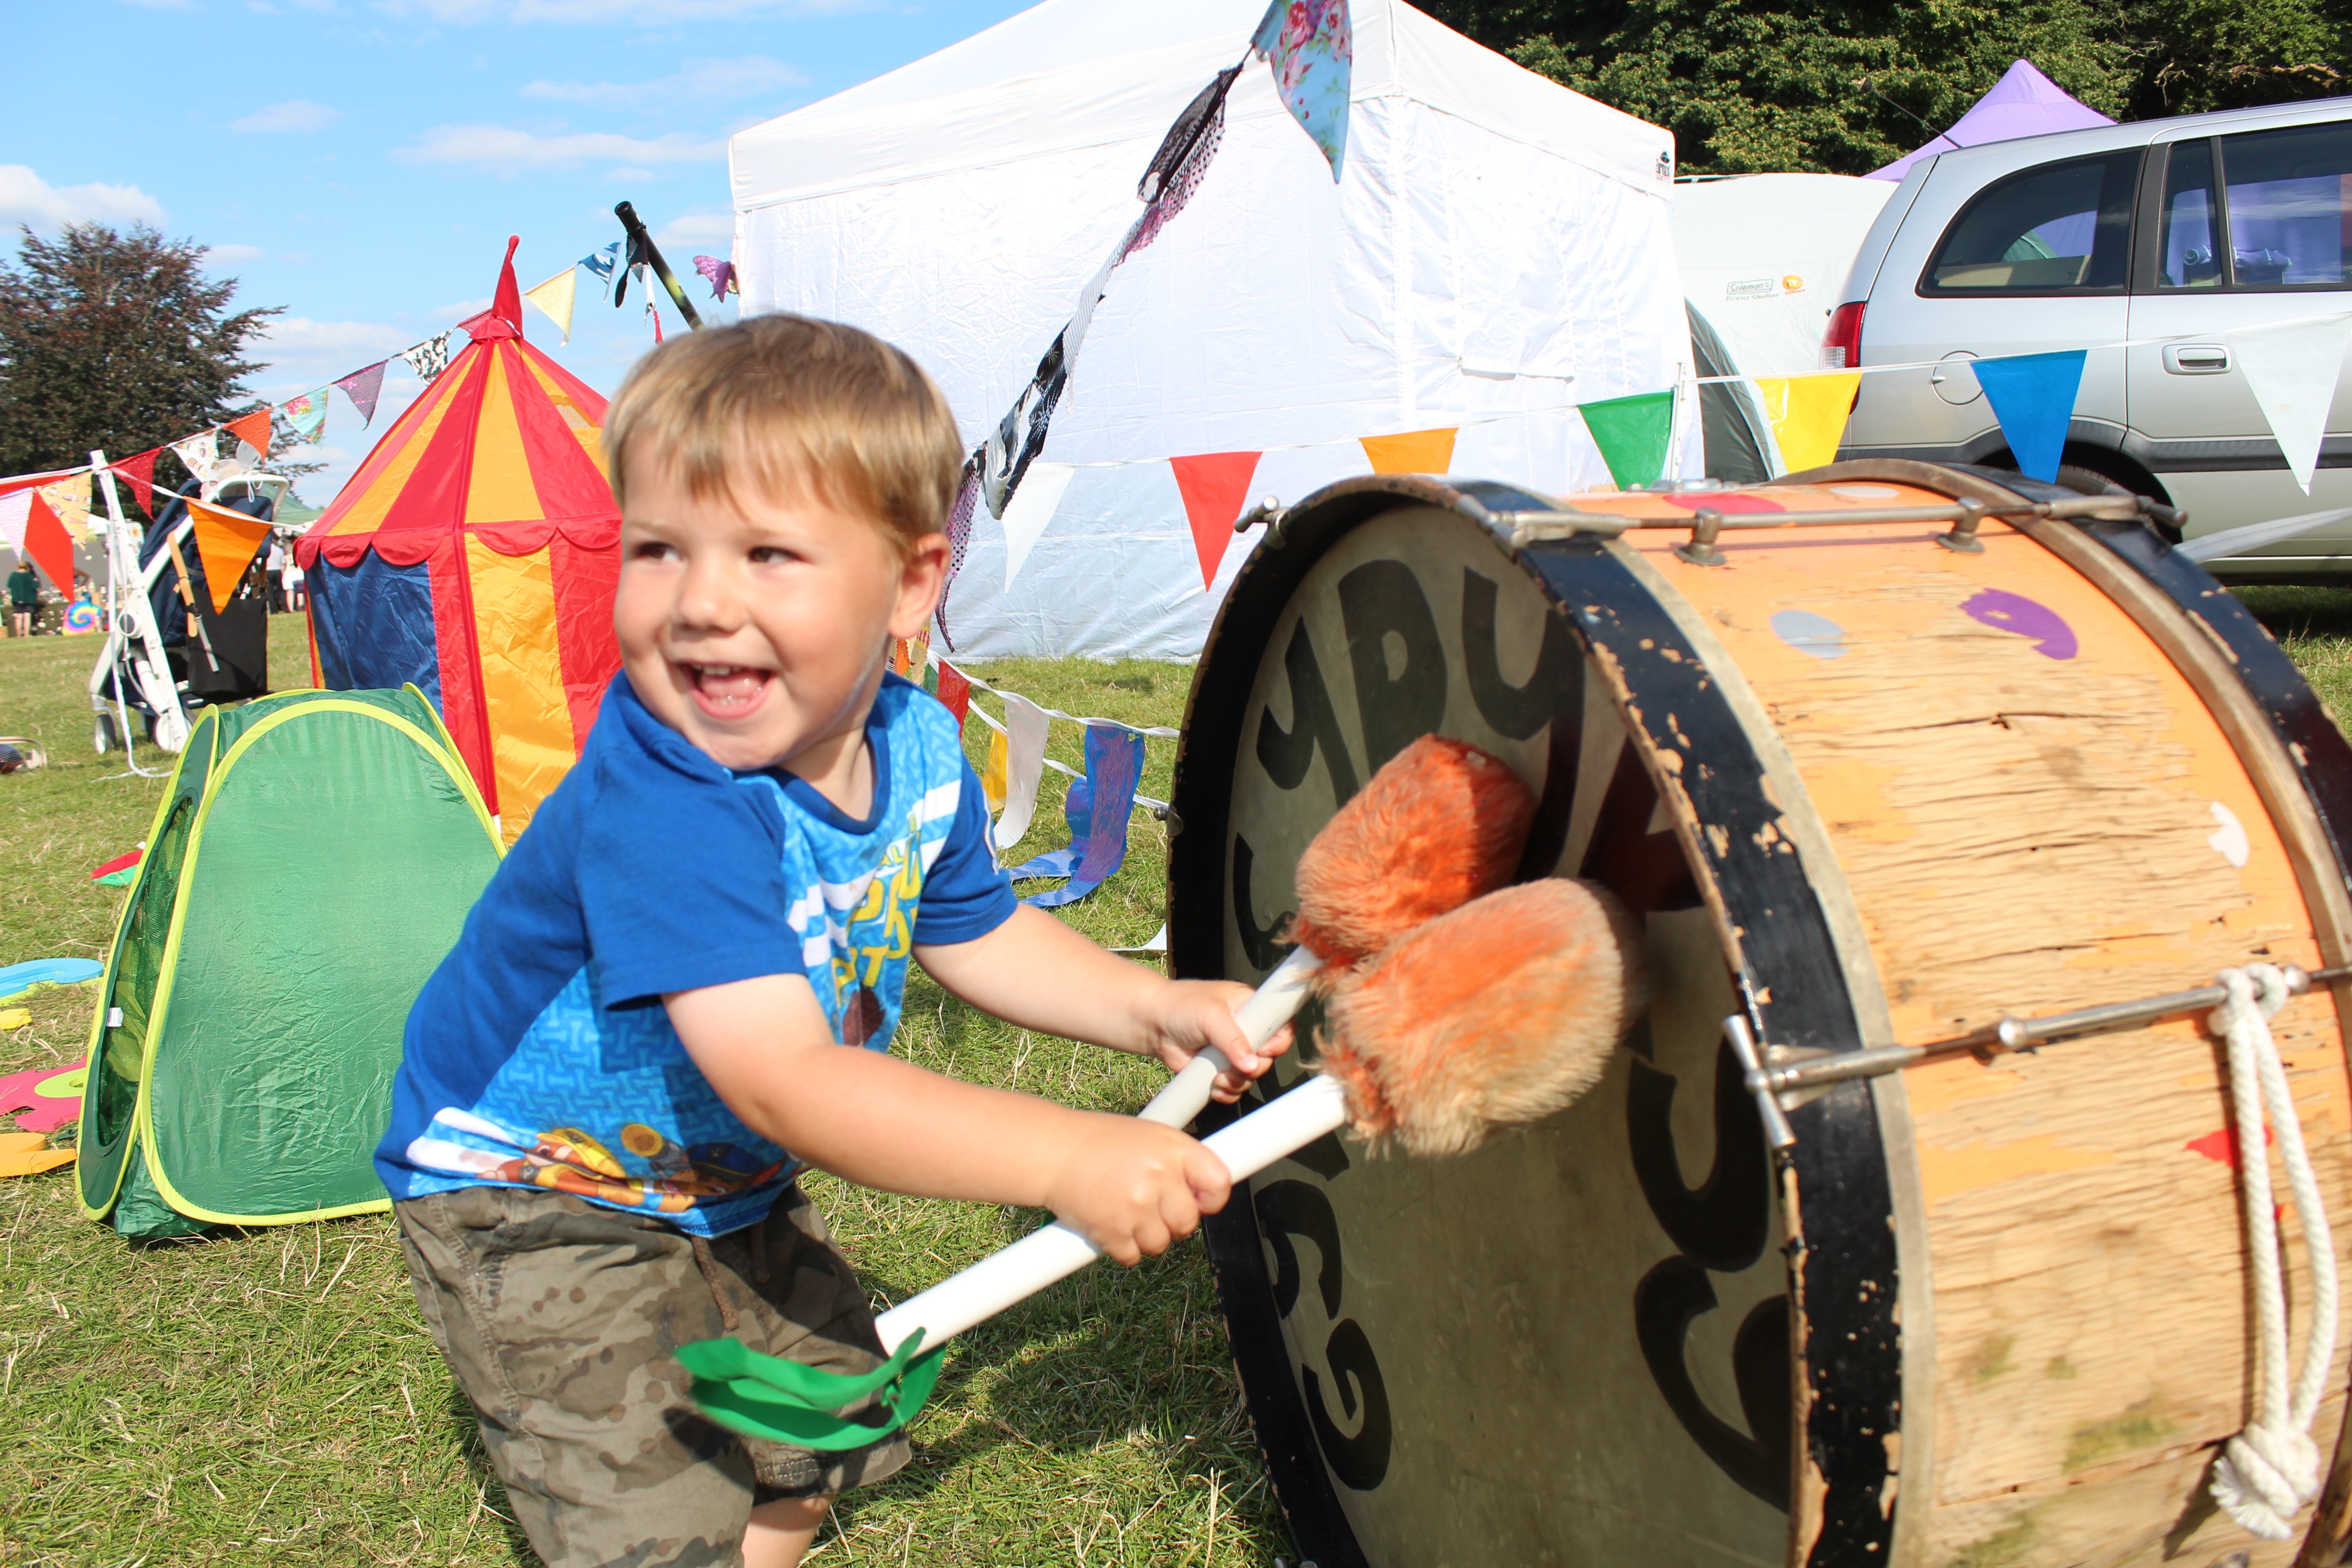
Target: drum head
column 1574, row 1344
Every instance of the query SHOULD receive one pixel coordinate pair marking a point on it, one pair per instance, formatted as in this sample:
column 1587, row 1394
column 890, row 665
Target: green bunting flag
column 1633, row 434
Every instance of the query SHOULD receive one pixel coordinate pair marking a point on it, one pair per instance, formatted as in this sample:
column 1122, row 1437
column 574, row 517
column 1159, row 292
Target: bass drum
column 1861, row 789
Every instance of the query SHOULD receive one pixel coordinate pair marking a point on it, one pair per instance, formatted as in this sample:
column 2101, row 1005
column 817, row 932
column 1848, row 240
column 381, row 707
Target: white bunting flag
column 1025, row 764
column 1029, row 509
column 201, row 454
column 2291, row 370
column 16, row 516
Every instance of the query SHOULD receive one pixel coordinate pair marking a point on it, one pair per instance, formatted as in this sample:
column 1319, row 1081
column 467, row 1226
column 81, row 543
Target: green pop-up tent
column 312, row 860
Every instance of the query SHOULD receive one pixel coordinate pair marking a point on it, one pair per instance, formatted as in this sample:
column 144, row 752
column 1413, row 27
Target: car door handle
column 2196, row 359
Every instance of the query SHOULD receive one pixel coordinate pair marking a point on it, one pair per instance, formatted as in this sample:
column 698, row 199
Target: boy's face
column 757, row 626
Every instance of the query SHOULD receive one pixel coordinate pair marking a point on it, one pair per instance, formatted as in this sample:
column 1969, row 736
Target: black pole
column 641, row 246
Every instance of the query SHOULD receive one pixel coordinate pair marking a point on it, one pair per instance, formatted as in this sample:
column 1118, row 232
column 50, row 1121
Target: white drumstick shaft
column 1278, row 997
column 1019, row 1271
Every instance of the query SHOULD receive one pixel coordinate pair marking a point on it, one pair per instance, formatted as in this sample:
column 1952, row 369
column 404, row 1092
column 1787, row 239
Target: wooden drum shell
column 1908, row 791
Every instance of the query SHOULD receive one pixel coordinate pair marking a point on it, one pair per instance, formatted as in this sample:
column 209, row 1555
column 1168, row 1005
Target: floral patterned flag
column 305, row 416
column 721, row 273
column 362, row 386
column 1308, row 44
column 199, row 454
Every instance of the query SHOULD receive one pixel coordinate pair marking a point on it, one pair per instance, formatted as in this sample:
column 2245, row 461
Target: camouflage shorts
column 558, row 1319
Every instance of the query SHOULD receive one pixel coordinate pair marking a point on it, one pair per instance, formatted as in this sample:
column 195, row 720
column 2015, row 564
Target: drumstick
column 1440, row 824
column 1502, row 1011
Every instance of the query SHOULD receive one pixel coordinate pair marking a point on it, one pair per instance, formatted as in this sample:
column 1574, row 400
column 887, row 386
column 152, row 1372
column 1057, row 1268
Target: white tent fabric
column 1497, row 249
column 1764, row 255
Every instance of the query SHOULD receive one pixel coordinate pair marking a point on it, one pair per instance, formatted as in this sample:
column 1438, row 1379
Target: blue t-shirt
column 539, row 1054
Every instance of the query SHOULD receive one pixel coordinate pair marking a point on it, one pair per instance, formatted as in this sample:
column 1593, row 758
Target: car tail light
column 1842, row 344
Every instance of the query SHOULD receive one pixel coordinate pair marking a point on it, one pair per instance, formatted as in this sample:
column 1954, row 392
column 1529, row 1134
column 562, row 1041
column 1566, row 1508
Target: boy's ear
column 920, row 582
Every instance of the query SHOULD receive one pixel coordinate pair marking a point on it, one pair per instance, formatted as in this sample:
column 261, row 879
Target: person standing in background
column 274, row 573
column 24, row 598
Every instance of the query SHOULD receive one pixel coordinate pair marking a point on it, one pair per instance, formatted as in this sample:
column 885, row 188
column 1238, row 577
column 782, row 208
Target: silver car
column 2182, row 230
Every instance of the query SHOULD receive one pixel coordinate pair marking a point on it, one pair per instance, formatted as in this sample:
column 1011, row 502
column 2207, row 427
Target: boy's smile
column 757, row 626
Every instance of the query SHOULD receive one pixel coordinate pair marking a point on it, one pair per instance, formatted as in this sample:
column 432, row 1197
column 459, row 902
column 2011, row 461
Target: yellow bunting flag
column 991, row 778
column 554, row 297
column 1807, row 415
column 70, row 499
column 226, row 543
column 1414, row 452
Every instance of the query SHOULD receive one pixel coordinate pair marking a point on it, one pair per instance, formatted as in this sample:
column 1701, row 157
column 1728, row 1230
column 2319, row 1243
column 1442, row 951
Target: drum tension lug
column 1963, row 536
column 1706, row 527
column 1268, row 512
column 1778, row 1135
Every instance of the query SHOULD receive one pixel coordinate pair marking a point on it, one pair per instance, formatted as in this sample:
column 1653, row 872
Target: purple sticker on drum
column 1809, row 633
column 2004, row 611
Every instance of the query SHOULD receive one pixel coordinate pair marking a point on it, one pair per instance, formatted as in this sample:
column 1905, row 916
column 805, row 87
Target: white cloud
column 628, row 175
column 295, row 115
column 295, row 348
column 27, row 198
column 458, row 311
column 700, row 81
column 230, row 255
column 697, row 228
column 508, row 150
column 641, row 12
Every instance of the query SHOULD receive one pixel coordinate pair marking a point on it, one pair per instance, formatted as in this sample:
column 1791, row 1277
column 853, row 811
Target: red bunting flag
column 48, row 543
column 955, row 691
column 1215, row 485
column 253, row 429
column 141, row 473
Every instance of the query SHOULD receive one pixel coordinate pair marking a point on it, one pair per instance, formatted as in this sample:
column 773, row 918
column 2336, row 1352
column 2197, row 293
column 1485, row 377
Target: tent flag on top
column 475, row 553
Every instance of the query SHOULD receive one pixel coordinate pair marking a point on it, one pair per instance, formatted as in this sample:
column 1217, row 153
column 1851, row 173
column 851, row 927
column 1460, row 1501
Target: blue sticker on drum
column 1809, row 633
column 2004, row 611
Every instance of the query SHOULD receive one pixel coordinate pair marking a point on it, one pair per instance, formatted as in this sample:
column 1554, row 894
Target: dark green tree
column 1844, row 87
column 116, row 341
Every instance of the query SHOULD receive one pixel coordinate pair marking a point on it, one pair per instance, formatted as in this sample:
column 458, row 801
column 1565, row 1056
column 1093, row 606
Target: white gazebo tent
column 1497, row 248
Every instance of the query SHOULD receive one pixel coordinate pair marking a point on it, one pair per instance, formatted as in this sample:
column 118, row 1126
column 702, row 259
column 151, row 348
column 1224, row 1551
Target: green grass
column 272, row 1397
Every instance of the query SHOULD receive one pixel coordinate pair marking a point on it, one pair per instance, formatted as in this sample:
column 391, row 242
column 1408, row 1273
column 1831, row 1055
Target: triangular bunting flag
column 719, row 274
column 954, row 692
column 1414, row 452
column 1214, row 485
column 2032, row 395
column 253, row 429
column 305, row 416
column 1024, row 764
column 1097, row 808
column 1633, row 434
column 1807, row 415
column 2292, row 371
column 1307, row 42
column 47, row 543
column 70, row 499
column 140, row 471
column 992, row 778
column 1029, row 509
column 427, row 359
column 16, row 512
column 227, row 541
column 556, row 297
column 599, row 265
column 200, row 455
column 362, row 386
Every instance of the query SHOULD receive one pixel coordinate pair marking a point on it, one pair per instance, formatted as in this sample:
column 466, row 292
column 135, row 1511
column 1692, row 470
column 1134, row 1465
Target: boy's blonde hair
column 779, row 401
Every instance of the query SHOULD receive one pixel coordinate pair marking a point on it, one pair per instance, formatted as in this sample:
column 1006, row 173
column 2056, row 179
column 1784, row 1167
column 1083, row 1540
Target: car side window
column 2063, row 228
column 2190, row 239
column 2284, row 193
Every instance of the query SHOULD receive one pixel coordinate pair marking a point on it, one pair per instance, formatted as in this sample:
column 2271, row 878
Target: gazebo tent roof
column 2023, row 102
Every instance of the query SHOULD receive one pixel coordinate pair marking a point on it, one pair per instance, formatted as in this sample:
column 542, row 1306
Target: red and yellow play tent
column 475, row 553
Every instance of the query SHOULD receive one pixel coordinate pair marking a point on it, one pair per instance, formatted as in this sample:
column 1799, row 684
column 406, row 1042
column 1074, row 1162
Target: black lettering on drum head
column 1286, row 754
column 1517, row 711
column 1360, row 1462
column 1646, row 870
column 1664, row 1304
column 1400, row 685
column 1285, row 1209
column 1722, row 1224
column 1257, row 941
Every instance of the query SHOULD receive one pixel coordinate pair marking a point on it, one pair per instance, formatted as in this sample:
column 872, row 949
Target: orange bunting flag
column 226, row 543
column 1215, row 486
column 1414, row 452
column 253, row 429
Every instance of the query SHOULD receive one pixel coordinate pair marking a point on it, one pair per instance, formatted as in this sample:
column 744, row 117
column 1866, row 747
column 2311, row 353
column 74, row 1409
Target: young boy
column 610, row 1083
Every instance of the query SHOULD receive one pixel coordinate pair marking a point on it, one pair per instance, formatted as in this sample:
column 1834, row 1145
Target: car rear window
column 2063, row 228
column 2286, row 200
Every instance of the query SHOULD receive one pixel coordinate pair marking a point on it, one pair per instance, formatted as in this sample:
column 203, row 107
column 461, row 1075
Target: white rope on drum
column 2267, row 1472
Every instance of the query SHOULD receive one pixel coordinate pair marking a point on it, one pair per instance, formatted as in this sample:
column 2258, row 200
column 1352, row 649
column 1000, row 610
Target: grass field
column 271, row 1396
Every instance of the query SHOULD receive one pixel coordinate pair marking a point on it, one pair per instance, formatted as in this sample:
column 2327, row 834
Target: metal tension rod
column 2009, row 1034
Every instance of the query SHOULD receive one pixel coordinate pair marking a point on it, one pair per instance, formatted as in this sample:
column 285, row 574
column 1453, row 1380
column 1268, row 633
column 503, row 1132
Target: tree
column 1844, row 87
column 116, row 341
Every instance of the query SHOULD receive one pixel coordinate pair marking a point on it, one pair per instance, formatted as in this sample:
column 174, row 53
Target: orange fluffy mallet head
column 1503, row 1011
column 1439, row 825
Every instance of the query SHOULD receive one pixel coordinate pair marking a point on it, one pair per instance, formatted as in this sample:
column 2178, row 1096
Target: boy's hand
column 1135, row 1188
column 1187, row 1014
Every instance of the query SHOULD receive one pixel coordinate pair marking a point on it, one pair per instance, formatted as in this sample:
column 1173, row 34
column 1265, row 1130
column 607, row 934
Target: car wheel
column 2089, row 482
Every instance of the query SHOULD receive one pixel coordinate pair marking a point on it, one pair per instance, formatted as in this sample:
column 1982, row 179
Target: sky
column 360, row 162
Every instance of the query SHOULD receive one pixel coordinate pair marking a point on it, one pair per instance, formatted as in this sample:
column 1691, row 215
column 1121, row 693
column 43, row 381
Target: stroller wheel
column 107, row 738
